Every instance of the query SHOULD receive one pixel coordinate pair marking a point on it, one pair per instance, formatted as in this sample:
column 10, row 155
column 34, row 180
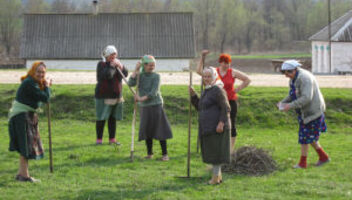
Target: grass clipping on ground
column 249, row 160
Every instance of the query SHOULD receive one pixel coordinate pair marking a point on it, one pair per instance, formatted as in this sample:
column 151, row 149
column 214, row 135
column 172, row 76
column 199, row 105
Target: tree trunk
column 206, row 34
column 222, row 43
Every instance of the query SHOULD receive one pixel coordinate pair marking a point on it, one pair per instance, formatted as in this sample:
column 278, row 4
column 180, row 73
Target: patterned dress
column 310, row 132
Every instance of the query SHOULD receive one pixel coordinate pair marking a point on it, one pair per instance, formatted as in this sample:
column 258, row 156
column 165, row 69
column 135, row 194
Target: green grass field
column 83, row 170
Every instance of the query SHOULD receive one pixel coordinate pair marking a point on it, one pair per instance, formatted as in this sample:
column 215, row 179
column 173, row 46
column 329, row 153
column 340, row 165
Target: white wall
column 320, row 57
column 161, row 64
column 341, row 57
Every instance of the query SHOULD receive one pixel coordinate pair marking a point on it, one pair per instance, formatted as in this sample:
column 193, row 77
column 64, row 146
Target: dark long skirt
column 24, row 135
column 216, row 147
column 154, row 123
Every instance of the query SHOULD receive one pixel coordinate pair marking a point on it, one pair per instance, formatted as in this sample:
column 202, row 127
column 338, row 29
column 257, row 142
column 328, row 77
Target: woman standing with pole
column 23, row 119
column 228, row 76
column 108, row 94
column 153, row 120
column 214, row 123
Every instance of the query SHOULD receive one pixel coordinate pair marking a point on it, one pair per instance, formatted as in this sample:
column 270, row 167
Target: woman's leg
column 303, row 160
column 216, row 177
column 233, row 115
column 163, row 145
column 323, row 157
column 23, row 168
column 149, row 143
column 99, row 128
column 112, row 127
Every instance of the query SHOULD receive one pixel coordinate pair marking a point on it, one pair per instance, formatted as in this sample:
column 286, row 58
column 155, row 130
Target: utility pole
column 329, row 27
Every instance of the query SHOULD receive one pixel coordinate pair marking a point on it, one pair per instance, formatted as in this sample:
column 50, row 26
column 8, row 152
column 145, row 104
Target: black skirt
column 154, row 123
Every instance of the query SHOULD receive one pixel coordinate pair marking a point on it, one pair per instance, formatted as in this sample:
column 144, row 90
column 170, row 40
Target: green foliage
column 257, row 105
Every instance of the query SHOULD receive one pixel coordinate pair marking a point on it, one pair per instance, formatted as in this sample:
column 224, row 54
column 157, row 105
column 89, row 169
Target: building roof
column 83, row 36
column 341, row 30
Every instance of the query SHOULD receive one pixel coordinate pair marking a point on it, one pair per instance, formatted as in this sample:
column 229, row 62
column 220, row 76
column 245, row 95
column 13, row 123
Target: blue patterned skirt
column 309, row 133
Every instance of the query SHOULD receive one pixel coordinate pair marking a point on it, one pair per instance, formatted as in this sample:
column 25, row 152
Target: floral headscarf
column 31, row 73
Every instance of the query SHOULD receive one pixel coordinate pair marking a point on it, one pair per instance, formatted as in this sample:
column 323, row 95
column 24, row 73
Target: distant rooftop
column 83, row 36
column 341, row 30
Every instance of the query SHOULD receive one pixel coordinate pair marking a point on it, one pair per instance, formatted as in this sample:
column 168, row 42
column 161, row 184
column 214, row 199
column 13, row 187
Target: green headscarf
column 146, row 59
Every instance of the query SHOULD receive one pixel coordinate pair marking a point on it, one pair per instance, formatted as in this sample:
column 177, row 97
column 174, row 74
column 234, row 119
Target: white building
column 341, row 47
column 75, row 41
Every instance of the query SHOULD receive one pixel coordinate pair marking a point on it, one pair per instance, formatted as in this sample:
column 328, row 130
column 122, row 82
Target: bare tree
column 10, row 24
column 36, row 6
column 62, row 6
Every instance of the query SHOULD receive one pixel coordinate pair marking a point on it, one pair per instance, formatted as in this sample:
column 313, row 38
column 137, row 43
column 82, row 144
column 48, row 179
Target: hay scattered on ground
column 249, row 160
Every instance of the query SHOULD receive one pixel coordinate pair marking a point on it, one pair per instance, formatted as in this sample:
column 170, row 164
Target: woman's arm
column 243, row 77
column 224, row 110
column 223, row 104
column 105, row 72
column 32, row 90
column 132, row 81
column 201, row 62
column 194, row 98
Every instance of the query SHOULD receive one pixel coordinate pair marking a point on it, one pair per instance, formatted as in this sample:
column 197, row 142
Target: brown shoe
column 26, row 179
column 149, row 156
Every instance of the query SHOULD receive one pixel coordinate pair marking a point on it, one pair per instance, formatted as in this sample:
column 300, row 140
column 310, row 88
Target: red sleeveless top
column 229, row 83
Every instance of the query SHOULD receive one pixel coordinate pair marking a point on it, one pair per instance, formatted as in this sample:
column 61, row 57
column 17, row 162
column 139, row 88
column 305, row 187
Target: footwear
column 114, row 141
column 298, row 167
column 214, row 180
column 165, row 158
column 321, row 163
column 26, row 179
column 99, row 141
column 149, row 156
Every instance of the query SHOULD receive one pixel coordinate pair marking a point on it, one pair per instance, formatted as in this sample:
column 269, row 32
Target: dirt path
column 179, row 78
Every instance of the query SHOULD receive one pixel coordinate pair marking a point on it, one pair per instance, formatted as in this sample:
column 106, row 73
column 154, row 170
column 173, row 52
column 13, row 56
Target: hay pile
column 251, row 161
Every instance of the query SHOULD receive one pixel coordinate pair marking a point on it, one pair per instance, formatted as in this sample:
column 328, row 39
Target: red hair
column 226, row 58
column 31, row 73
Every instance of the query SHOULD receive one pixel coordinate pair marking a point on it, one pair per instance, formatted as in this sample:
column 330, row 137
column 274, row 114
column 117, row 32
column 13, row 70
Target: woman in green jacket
column 153, row 120
column 23, row 119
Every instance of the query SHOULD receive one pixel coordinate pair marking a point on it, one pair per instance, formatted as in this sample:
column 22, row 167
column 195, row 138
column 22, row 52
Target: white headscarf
column 290, row 65
column 215, row 77
column 108, row 50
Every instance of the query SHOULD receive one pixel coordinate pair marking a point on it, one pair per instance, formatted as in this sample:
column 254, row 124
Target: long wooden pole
column 189, row 127
column 201, row 91
column 124, row 78
column 50, row 143
column 134, row 121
